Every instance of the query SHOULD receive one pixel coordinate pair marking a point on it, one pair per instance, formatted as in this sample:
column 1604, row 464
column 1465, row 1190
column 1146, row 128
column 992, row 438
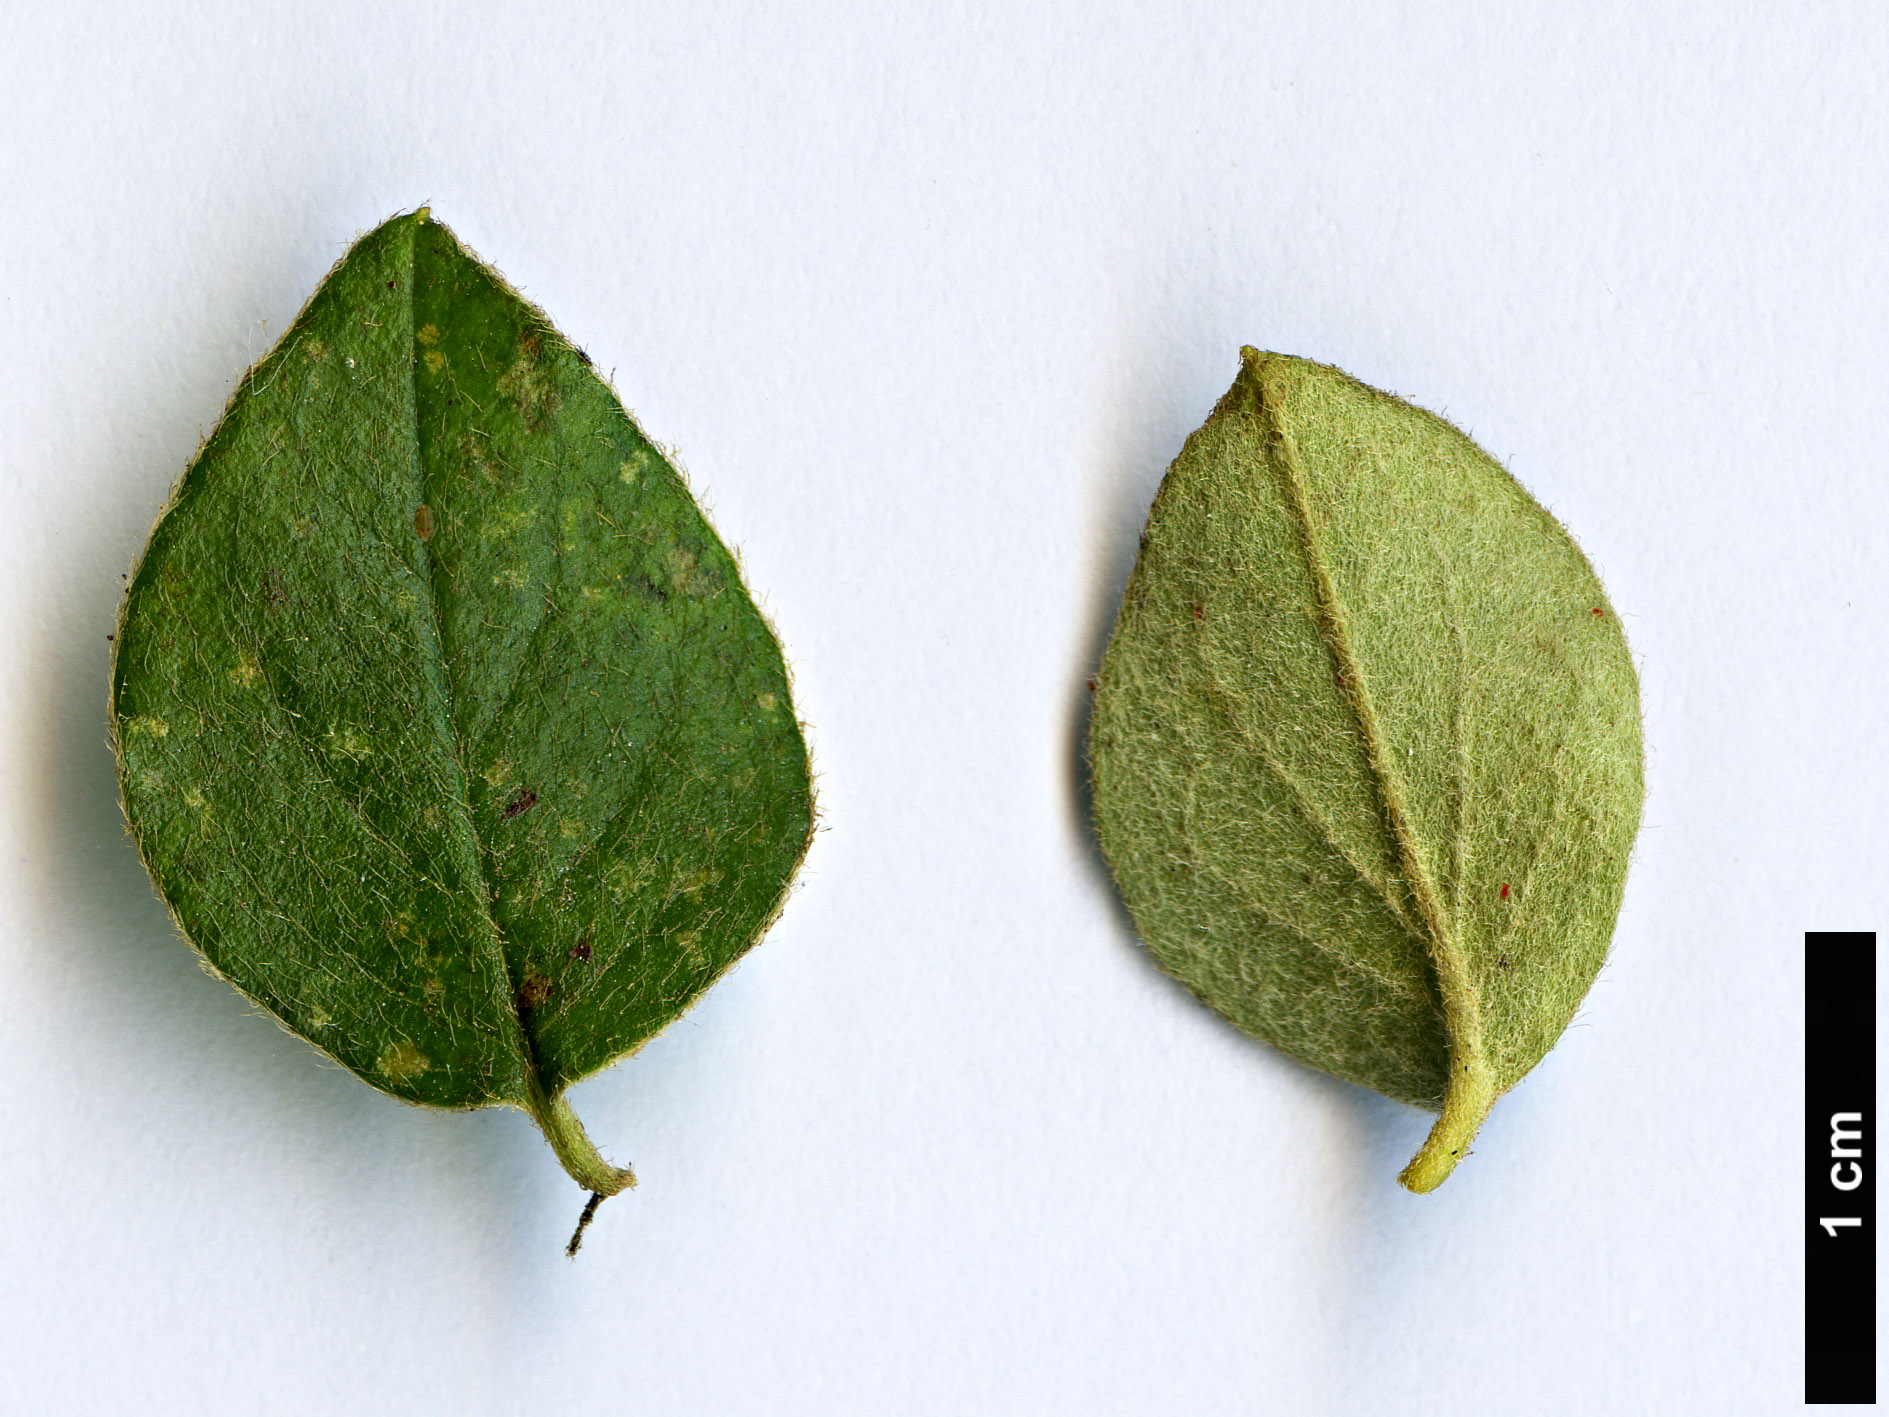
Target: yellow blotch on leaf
column 693, row 883
column 349, row 743
column 687, row 575
column 632, row 468
column 527, row 387
column 402, row 1061
column 626, row 878
column 508, row 521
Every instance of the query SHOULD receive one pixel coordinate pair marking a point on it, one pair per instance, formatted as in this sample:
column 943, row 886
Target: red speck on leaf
column 1505, row 890
column 1599, row 611
column 581, row 950
column 522, row 802
column 1092, row 686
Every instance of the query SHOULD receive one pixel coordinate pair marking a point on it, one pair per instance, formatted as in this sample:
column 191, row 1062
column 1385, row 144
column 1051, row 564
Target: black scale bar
column 1840, row 1159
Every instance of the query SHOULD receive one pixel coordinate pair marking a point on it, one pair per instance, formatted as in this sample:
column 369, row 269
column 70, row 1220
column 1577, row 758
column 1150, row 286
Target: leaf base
column 1472, row 1093
column 575, row 1151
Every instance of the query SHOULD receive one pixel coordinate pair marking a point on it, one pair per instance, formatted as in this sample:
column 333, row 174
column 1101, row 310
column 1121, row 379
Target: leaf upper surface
column 446, row 726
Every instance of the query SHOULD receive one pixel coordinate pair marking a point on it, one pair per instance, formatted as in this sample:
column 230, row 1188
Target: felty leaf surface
column 1366, row 746
column 446, row 726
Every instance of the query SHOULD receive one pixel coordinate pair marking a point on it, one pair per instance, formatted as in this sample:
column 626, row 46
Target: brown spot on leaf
column 423, row 522
column 581, row 950
column 533, row 990
column 522, row 802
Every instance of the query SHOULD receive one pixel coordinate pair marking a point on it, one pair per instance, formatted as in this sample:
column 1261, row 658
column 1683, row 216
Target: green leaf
column 1366, row 746
column 445, row 725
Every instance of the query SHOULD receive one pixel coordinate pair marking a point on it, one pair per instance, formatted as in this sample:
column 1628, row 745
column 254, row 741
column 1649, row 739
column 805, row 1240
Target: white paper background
column 927, row 296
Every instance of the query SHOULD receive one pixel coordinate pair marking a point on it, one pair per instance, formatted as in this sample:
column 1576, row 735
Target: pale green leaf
column 1366, row 746
column 446, row 727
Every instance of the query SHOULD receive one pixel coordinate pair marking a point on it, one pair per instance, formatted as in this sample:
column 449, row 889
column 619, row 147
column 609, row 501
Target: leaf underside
column 446, row 726
column 1366, row 740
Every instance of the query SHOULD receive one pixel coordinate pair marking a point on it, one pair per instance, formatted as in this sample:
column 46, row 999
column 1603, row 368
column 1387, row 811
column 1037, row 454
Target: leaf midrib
column 1332, row 629
column 492, row 944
